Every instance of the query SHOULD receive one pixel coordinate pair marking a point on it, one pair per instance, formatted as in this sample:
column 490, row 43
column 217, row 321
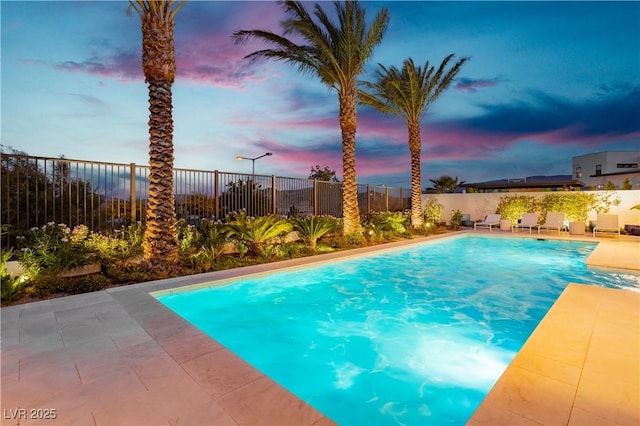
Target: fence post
column 216, row 195
column 315, row 197
column 132, row 192
column 274, row 194
column 386, row 198
column 368, row 200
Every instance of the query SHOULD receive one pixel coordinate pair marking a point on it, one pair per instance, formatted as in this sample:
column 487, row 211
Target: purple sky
column 546, row 81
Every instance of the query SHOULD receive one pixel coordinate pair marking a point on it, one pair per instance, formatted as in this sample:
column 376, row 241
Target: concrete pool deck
column 120, row 357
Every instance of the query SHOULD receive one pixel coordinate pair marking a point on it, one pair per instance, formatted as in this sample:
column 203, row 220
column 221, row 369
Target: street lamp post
column 253, row 160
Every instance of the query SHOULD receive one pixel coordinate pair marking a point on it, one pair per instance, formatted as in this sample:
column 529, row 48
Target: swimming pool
column 411, row 336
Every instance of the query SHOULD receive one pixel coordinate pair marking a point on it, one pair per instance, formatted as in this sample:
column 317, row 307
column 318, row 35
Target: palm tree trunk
column 350, row 210
column 159, row 66
column 416, row 190
column 160, row 241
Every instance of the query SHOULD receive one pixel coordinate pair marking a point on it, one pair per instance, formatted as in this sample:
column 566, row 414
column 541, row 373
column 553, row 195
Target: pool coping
column 578, row 367
column 123, row 342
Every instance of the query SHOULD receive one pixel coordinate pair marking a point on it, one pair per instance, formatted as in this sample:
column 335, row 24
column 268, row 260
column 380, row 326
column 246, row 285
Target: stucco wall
column 480, row 204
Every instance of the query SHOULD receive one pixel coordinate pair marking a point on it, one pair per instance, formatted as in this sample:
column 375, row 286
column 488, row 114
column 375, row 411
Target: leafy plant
column 204, row 259
column 577, row 205
column 118, row 246
column 294, row 250
column 213, row 236
column 256, row 232
column 53, row 248
column 134, row 235
column 11, row 286
column 626, row 184
column 456, row 219
column 188, row 237
column 432, row 211
column 85, row 284
column 310, row 229
column 394, row 223
column 512, row 207
column 373, row 232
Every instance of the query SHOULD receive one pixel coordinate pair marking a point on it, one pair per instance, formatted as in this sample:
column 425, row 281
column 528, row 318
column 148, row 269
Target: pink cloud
column 471, row 85
column 124, row 67
column 205, row 52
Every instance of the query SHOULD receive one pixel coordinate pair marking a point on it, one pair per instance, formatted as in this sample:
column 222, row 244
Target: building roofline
column 605, row 152
column 616, row 173
column 529, row 184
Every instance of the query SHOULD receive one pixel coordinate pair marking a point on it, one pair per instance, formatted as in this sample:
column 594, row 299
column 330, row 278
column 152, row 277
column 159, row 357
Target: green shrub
column 114, row 247
column 45, row 285
column 373, row 232
column 456, row 219
column 577, row 205
column 188, row 238
column 86, row 284
column 296, row 249
column 512, row 207
column 394, row 223
column 256, row 232
column 48, row 285
column 213, row 236
column 310, row 229
column 352, row 240
column 51, row 249
column 432, row 211
column 204, row 259
column 128, row 273
column 11, row 286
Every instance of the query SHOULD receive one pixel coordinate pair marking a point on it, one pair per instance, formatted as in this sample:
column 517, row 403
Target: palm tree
column 336, row 53
column 446, row 183
column 409, row 93
column 159, row 66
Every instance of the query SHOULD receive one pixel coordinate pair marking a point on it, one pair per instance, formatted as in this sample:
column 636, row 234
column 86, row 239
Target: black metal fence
column 106, row 196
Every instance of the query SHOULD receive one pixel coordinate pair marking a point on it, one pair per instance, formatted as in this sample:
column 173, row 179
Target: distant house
column 596, row 169
column 530, row 183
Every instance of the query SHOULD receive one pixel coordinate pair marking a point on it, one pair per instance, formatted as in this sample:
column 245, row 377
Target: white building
column 595, row 170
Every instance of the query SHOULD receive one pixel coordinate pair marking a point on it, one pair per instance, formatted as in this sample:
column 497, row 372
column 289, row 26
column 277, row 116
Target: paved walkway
column 119, row 357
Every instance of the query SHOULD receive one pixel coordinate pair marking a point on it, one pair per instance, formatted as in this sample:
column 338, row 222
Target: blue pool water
column 414, row 336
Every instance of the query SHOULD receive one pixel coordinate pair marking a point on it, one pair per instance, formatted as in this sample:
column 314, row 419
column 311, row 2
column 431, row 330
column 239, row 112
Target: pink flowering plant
column 53, row 249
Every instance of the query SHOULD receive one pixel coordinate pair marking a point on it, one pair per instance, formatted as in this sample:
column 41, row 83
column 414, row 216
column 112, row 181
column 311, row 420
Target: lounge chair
column 553, row 220
column 607, row 224
column 528, row 221
column 490, row 221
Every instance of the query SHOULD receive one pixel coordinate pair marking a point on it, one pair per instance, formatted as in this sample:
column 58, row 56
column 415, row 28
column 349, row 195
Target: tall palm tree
column 409, row 93
column 159, row 66
column 336, row 53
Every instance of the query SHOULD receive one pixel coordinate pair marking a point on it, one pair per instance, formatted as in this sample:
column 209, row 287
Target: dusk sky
column 546, row 81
